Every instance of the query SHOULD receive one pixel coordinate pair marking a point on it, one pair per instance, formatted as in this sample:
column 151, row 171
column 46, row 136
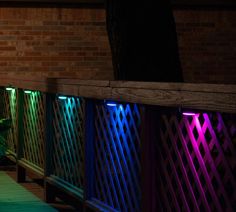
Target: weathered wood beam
column 101, row 2
column 53, row 3
column 215, row 97
column 58, row 1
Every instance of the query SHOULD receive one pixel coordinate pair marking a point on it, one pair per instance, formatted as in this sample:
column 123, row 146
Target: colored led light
column 189, row 114
column 9, row 89
column 62, row 97
column 27, row 92
column 111, row 104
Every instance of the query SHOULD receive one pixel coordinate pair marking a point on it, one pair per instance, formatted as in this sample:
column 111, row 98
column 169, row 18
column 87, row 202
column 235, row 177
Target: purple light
column 189, row 114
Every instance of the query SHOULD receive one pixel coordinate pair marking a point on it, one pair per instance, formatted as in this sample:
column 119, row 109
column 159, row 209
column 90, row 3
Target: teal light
column 27, row 92
column 62, row 97
column 10, row 89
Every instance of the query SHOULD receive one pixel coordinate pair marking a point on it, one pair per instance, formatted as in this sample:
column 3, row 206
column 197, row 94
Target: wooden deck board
column 213, row 97
column 14, row 197
column 33, row 185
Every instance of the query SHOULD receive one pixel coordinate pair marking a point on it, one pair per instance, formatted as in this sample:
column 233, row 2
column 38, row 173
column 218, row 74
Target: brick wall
column 207, row 42
column 54, row 42
column 59, row 42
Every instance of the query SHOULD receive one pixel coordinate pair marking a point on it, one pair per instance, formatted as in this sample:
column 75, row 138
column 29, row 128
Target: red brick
column 73, row 42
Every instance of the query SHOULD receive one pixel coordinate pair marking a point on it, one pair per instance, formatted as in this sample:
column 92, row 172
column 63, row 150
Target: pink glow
column 189, row 114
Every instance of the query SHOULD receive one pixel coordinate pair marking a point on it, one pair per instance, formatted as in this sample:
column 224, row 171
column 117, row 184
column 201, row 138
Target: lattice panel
column 117, row 157
column 196, row 163
column 33, row 128
column 10, row 110
column 68, row 140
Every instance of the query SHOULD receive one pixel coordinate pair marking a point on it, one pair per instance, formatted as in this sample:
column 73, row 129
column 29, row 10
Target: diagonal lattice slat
column 68, row 142
column 33, row 128
column 10, row 110
column 117, row 157
column 196, row 170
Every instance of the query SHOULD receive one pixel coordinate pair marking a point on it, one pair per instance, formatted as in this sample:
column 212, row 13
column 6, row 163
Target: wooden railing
column 101, row 3
column 141, row 153
column 214, row 97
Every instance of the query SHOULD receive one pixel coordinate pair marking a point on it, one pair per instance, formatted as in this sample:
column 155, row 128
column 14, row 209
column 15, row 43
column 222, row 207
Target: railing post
column 1, row 101
column 89, row 125
column 21, row 172
column 49, row 195
column 148, row 139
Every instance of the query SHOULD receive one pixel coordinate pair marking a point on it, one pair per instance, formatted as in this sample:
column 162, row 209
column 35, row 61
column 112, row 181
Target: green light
column 27, row 92
column 10, row 89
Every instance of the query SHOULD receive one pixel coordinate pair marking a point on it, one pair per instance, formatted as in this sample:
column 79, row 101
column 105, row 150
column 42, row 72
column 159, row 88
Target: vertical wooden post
column 48, row 189
column 1, row 101
column 21, row 172
column 148, row 139
column 89, row 150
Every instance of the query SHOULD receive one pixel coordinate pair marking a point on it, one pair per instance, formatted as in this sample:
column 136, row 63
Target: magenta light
column 188, row 114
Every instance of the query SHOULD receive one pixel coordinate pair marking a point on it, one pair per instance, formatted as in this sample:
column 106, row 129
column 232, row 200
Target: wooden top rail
column 59, row 1
column 215, row 97
column 226, row 3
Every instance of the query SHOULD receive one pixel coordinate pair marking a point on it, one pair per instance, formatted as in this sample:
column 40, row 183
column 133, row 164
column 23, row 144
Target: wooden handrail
column 215, row 97
column 203, row 3
column 59, row 1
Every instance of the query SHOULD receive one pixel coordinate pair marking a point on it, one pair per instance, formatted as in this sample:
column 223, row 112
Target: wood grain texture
column 144, row 96
column 30, row 167
column 215, row 97
column 95, row 92
column 222, row 102
column 14, row 197
column 86, row 2
column 101, row 2
column 202, row 87
column 33, row 185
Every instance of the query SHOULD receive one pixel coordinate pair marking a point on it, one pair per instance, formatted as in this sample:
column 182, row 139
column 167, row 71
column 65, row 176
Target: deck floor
column 31, row 185
column 14, row 197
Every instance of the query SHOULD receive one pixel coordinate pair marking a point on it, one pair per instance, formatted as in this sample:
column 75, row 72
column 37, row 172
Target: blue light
column 62, row 97
column 111, row 104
